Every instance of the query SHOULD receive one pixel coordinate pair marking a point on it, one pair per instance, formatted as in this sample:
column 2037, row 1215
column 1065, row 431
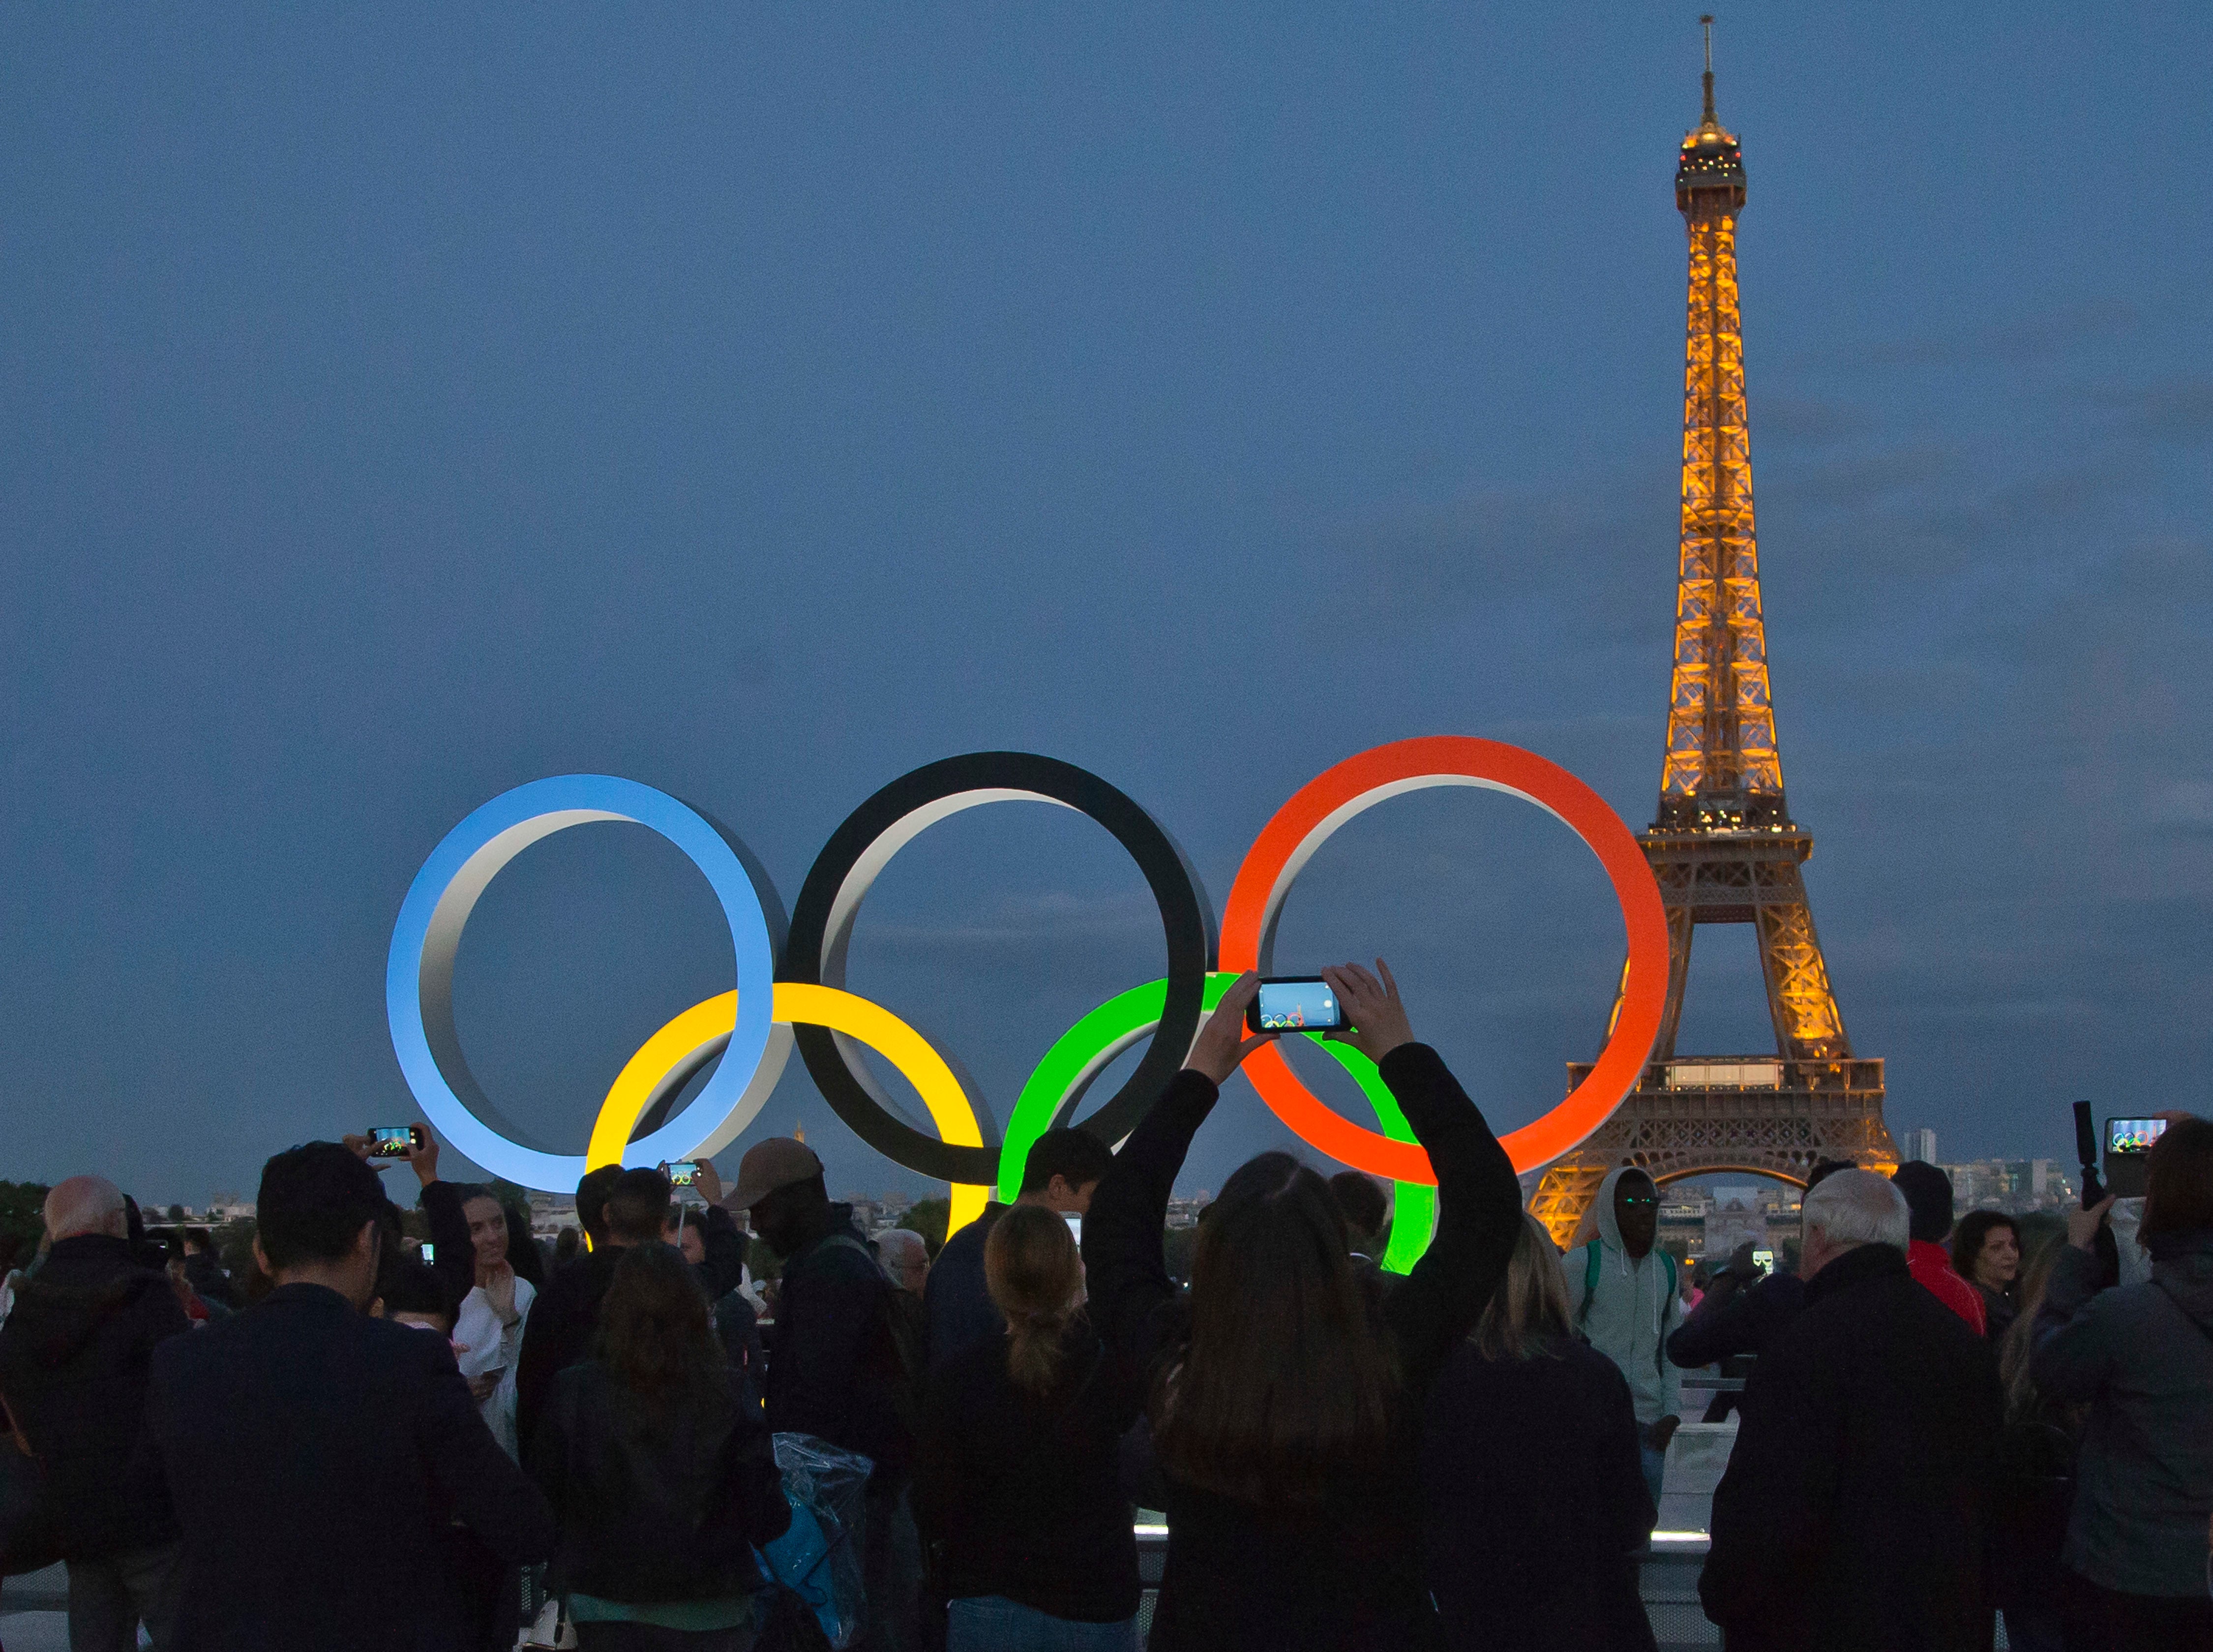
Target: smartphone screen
column 1297, row 1004
column 2133, row 1135
column 430, row 1252
column 684, row 1172
column 391, row 1141
column 1074, row 1224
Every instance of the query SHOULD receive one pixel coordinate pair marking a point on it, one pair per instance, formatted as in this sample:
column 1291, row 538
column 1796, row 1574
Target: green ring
column 1082, row 1052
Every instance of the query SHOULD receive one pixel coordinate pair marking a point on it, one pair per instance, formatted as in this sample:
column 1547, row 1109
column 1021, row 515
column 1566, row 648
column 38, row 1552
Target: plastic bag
column 820, row 1557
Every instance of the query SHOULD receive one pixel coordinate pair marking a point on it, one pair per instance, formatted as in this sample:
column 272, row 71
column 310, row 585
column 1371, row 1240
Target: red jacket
column 1931, row 1265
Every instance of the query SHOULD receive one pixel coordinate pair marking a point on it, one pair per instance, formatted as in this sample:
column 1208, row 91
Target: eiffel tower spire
column 1723, row 847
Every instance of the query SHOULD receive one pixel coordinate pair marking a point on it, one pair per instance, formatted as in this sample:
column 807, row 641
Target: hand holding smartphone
column 1296, row 1003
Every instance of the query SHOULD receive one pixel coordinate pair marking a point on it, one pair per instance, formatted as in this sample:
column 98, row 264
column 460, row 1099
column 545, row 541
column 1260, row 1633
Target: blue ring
column 419, row 974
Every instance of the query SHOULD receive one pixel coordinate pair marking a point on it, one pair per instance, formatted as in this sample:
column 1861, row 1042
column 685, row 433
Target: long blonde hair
column 1527, row 1315
column 1032, row 1268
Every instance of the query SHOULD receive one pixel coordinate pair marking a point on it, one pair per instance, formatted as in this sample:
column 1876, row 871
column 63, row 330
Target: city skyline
column 759, row 408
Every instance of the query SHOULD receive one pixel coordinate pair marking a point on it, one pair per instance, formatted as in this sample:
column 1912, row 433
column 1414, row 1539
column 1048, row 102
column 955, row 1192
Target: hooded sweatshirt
column 2143, row 1356
column 1630, row 1314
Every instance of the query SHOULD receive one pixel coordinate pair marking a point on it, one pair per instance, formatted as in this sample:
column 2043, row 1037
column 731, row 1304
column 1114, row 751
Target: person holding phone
column 2140, row 1356
column 1286, row 1399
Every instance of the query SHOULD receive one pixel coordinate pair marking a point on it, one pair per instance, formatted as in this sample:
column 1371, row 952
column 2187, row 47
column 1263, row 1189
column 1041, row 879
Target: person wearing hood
column 1622, row 1300
column 2141, row 1357
column 76, row 1356
column 1928, row 1193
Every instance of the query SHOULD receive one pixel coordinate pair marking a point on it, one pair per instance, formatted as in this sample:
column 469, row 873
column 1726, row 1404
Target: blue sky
column 760, row 402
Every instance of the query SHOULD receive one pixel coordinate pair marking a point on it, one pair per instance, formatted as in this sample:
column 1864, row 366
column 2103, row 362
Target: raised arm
column 1478, row 1200
column 1125, row 1270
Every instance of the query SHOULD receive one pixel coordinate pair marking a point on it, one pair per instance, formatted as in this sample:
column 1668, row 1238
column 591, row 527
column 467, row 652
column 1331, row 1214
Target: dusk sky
column 758, row 403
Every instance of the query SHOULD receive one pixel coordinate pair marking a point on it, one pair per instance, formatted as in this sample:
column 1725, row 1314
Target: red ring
column 1334, row 797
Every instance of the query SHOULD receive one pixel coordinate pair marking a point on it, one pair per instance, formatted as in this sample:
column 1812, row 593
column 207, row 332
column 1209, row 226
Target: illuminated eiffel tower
column 1723, row 846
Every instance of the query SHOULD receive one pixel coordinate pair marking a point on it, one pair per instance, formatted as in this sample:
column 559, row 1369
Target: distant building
column 2017, row 1186
column 1920, row 1144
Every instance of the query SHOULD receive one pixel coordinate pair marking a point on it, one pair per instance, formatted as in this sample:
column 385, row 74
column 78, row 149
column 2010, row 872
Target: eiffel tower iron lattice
column 1723, row 846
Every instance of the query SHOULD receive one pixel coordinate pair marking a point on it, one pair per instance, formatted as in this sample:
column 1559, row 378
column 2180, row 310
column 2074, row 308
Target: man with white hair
column 74, row 1360
column 1856, row 1509
column 905, row 1257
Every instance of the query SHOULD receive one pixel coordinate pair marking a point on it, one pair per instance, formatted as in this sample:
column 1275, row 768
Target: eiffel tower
column 1723, row 846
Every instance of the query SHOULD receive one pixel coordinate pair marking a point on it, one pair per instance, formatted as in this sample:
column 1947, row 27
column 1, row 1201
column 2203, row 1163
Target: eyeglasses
column 1637, row 1198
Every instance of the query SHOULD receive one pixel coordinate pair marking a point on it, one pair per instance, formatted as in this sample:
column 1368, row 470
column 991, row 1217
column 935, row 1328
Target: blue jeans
column 992, row 1623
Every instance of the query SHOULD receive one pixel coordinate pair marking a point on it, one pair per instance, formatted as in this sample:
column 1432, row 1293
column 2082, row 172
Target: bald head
column 85, row 1204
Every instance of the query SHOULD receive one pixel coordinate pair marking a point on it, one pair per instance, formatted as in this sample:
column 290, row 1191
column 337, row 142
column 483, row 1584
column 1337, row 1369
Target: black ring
column 822, row 922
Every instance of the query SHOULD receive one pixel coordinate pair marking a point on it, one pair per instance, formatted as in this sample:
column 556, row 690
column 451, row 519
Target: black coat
column 1346, row 1577
column 558, row 1333
column 1855, row 1510
column 656, row 1509
column 834, row 1369
column 317, row 1459
column 74, row 1357
column 1023, row 1489
column 1535, row 1549
column 961, row 1313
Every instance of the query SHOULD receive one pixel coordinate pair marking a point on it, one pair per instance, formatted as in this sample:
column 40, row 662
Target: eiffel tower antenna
column 1707, row 23
column 1722, row 844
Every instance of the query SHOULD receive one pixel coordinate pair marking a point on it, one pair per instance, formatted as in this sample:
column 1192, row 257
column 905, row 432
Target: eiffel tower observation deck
column 1722, row 843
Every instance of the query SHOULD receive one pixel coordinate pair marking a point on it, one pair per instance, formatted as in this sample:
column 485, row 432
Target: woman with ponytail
column 1015, row 1480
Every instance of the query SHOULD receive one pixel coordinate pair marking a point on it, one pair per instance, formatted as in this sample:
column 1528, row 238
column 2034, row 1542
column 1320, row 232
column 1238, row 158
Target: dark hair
column 1076, row 1157
column 1972, row 1233
column 1826, row 1168
column 656, row 1334
column 1284, row 1384
column 566, row 1245
column 1035, row 1277
column 1360, row 1201
column 413, row 1286
column 464, row 1191
column 638, row 1206
column 200, row 1239
column 1928, row 1193
column 2179, row 1179
column 592, row 1199
column 313, row 1201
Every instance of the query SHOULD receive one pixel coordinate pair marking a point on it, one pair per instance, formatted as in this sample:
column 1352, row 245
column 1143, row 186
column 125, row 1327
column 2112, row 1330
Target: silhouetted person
column 74, row 1356
column 1063, row 1168
column 663, row 1478
column 318, row 1457
column 1287, row 1404
column 1928, row 1193
column 633, row 1211
column 1529, row 1551
column 1854, row 1512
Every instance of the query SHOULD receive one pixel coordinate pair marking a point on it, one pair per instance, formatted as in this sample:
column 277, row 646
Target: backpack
column 1592, row 1258
column 906, row 1328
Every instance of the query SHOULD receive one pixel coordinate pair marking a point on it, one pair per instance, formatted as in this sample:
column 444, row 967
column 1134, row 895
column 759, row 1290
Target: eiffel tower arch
column 1722, row 845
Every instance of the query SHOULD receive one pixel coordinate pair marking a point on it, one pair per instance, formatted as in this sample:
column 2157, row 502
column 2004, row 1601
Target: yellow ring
column 692, row 1034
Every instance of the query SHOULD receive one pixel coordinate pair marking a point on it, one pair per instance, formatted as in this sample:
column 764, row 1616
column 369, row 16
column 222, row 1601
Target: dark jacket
column 1346, row 1575
column 208, row 1278
column 961, row 1313
column 558, row 1333
column 1743, row 1323
column 74, row 1358
column 1999, row 1312
column 834, row 1369
column 317, row 1459
column 2143, row 1356
column 1535, row 1549
column 1023, row 1489
column 655, row 1511
column 1855, row 1513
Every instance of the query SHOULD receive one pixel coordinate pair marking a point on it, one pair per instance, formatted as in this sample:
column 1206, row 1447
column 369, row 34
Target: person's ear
column 367, row 1240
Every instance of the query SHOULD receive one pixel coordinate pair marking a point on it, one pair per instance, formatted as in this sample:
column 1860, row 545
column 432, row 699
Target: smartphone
column 430, row 1252
column 2128, row 1145
column 394, row 1140
column 683, row 1173
column 1296, row 1003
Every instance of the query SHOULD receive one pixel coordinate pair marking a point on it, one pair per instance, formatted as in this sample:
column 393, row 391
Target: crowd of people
column 363, row 1443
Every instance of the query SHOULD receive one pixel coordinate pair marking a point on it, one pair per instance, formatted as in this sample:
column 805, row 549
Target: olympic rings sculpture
column 790, row 978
